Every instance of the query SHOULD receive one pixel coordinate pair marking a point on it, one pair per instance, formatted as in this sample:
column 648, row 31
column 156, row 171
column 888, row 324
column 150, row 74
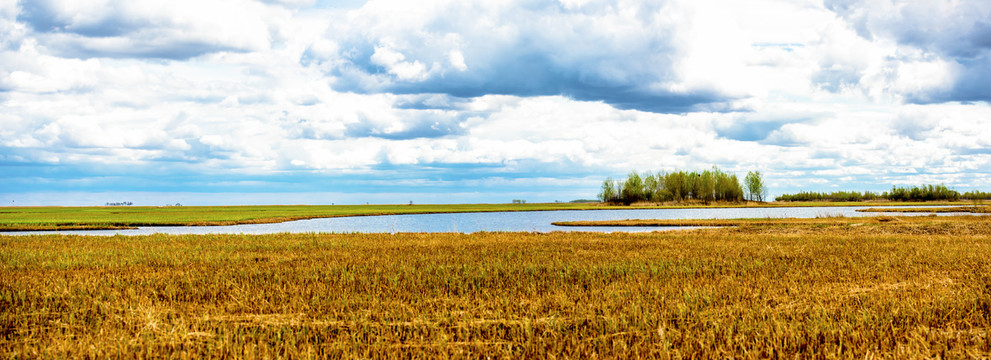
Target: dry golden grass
column 887, row 287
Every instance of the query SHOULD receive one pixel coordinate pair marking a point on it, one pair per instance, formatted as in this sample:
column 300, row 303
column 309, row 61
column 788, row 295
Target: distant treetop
column 706, row 186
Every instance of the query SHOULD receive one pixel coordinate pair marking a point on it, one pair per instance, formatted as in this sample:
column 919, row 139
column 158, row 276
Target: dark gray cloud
column 542, row 49
column 959, row 32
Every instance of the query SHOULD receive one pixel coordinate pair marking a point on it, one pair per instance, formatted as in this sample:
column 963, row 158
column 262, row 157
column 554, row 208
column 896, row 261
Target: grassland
column 105, row 217
column 888, row 287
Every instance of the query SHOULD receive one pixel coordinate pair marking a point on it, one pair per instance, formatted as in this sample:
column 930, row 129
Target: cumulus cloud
column 618, row 52
column 946, row 43
column 551, row 96
column 150, row 29
column 759, row 126
column 914, row 126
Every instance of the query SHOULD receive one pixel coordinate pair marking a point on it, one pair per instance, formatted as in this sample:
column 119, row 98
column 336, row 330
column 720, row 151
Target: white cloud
column 175, row 29
column 916, row 78
column 944, row 40
column 487, row 94
column 457, row 60
column 394, row 62
column 619, row 52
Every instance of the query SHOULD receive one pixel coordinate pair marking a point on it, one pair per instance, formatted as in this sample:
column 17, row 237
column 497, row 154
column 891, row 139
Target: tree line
column 976, row 195
column 915, row 193
column 705, row 186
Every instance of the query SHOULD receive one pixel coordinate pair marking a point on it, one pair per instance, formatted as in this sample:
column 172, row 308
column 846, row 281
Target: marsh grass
column 904, row 289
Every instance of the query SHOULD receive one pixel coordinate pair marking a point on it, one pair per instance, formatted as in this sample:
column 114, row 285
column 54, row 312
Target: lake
column 532, row 221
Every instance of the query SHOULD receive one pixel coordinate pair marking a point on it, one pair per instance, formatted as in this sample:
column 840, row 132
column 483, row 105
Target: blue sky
column 319, row 102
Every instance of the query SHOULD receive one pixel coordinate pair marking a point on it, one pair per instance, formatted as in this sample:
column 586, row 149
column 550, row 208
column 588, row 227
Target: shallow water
column 533, row 221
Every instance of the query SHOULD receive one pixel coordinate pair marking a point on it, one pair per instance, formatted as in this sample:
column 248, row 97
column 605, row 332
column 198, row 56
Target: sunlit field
column 885, row 287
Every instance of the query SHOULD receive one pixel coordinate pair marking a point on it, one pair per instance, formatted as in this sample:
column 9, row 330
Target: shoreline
column 55, row 218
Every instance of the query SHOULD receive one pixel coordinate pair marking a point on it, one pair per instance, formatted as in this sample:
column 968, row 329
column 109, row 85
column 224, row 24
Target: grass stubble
column 886, row 287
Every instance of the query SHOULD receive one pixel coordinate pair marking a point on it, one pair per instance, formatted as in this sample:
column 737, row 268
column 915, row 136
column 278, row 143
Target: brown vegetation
column 893, row 287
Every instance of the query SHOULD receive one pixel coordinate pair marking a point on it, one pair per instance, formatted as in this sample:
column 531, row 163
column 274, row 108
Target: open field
column 122, row 217
column 891, row 287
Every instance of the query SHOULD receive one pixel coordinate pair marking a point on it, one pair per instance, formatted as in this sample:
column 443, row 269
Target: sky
column 349, row 102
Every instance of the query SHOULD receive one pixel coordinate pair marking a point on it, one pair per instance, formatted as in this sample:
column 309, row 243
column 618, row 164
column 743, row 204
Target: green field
column 886, row 287
column 104, row 217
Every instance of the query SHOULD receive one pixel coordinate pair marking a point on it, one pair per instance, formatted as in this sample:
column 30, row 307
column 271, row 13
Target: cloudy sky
column 312, row 101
